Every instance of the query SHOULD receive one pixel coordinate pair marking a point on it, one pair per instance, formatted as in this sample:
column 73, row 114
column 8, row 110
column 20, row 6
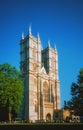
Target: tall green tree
column 76, row 102
column 11, row 91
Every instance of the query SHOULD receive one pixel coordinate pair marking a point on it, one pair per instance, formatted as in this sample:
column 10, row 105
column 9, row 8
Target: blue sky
column 60, row 21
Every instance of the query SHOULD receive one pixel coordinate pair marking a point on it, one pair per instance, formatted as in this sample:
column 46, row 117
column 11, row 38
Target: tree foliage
column 76, row 102
column 11, row 91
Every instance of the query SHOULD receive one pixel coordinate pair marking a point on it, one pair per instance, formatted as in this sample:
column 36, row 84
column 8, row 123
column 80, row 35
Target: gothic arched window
column 35, row 106
column 46, row 92
column 52, row 99
column 34, row 54
column 53, row 62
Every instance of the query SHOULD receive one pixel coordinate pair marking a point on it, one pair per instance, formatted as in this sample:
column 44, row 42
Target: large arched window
column 52, row 98
column 46, row 92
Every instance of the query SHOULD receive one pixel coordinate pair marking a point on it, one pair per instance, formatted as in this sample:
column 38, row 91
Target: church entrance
column 48, row 117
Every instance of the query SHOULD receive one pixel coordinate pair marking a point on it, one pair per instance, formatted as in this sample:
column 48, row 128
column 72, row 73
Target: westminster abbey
column 39, row 69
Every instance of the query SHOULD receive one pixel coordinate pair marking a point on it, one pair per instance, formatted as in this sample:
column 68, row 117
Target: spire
column 30, row 30
column 41, row 47
column 55, row 48
column 38, row 36
column 49, row 43
column 22, row 35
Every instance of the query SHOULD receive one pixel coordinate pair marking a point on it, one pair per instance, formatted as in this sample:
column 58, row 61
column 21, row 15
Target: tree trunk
column 9, row 117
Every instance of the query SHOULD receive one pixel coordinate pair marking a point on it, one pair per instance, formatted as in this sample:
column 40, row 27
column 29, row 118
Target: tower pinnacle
column 38, row 36
column 22, row 35
column 49, row 43
column 55, row 48
column 30, row 30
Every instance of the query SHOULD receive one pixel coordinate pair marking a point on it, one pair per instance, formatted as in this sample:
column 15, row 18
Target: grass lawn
column 41, row 126
column 33, row 124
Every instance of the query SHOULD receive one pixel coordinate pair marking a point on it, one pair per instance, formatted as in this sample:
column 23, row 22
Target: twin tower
column 39, row 69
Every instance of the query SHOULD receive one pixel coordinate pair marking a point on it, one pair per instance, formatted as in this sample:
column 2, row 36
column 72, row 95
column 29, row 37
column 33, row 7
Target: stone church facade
column 39, row 69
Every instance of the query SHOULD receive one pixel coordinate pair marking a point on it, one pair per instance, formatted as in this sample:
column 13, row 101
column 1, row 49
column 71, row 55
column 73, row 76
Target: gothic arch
column 34, row 54
column 35, row 104
column 46, row 91
column 52, row 92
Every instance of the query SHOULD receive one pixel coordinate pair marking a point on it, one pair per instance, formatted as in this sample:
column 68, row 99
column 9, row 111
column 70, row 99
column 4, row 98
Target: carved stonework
column 53, row 62
column 39, row 68
column 35, row 67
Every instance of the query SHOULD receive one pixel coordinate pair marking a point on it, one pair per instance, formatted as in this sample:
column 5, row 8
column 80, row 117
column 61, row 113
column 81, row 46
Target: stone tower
column 40, row 76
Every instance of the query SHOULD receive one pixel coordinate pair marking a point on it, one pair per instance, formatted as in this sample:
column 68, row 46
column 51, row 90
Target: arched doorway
column 48, row 117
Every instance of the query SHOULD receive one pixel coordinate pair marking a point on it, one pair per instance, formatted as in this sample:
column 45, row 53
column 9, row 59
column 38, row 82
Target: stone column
column 53, row 91
column 38, row 97
column 57, row 94
column 41, row 101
